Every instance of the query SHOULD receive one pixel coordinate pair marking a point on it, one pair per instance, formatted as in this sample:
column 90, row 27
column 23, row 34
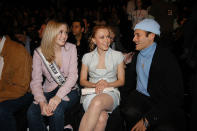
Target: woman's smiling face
column 102, row 39
column 62, row 36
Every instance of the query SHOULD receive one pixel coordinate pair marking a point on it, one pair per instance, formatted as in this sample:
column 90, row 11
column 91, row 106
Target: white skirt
column 86, row 100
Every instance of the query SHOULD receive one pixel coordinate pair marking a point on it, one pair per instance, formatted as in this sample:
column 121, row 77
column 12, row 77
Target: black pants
column 137, row 105
column 194, row 104
column 9, row 108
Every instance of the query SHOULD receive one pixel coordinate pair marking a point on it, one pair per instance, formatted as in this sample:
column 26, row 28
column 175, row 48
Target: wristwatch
column 145, row 122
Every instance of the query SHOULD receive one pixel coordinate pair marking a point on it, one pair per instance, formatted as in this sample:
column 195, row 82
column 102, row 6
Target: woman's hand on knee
column 53, row 103
column 45, row 111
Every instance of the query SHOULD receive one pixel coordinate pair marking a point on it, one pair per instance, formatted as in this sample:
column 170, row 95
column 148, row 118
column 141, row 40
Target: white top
column 1, row 58
column 112, row 59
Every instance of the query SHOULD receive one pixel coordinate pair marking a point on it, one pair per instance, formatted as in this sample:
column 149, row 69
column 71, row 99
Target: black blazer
column 165, row 85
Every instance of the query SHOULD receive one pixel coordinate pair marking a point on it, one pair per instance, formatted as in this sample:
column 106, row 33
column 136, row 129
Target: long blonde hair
column 92, row 45
column 48, row 40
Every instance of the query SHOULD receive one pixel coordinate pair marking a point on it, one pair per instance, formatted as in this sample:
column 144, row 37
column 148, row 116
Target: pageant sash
column 53, row 69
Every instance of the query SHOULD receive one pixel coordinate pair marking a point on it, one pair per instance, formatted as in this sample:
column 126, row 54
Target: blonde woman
column 52, row 100
column 101, row 68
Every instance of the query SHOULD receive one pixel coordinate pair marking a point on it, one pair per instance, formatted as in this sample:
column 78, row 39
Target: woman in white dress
column 101, row 68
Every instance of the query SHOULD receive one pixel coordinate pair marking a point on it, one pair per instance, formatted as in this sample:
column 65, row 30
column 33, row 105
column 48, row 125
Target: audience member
column 139, row 13
column 101, row 69
column 15, row 76
column 156, row 102
column 56, row 59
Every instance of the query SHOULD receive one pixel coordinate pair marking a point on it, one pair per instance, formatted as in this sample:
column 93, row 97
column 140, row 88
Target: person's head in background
column 140, row 4
column 113, row 37
column 112, row 33
column 100, row 38
column 41, row 30
column 86, row 23
column 78, row 27
column 145, row 33
column 42, row 27
column 54, row 37
column 88, row 26
column 6, row 25
column 20, row 34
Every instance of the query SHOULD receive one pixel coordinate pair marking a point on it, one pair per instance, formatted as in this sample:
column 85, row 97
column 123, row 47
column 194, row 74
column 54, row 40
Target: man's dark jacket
column 165, row 86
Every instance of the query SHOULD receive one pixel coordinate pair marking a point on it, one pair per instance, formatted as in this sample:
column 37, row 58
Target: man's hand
column 139, row 126
column 128, row 57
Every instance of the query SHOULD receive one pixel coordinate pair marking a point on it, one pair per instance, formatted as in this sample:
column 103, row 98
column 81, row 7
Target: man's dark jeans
column 9, row 107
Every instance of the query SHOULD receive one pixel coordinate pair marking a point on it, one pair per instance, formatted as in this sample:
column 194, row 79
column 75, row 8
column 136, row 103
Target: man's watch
column 145, row 122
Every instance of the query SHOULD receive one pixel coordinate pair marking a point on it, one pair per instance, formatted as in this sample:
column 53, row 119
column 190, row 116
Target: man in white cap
column 156, row 102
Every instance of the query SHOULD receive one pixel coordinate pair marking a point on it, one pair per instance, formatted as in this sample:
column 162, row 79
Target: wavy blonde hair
column 48, row 40
column 92, row 45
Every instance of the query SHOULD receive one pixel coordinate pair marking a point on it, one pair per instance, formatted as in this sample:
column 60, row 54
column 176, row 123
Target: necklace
column 143, row 65
column 143, row 62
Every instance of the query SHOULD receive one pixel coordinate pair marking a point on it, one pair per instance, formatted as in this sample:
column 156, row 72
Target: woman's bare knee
column 103, row 117
column 96, row 104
